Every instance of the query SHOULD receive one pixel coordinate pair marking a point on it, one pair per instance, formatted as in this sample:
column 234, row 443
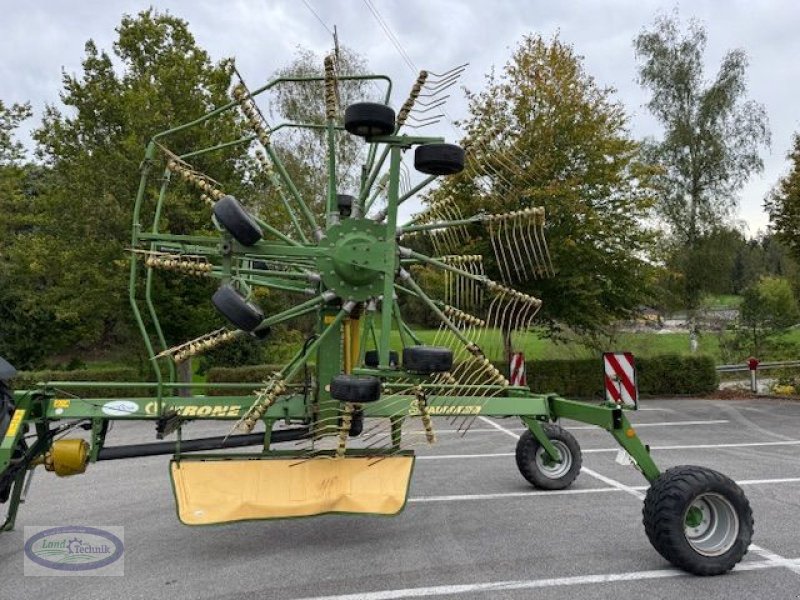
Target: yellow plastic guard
column 222, row 491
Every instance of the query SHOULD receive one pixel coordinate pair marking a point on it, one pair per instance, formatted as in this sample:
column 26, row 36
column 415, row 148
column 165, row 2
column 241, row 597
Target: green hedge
column 248, row 374
column 29, row 379
column 666, row 375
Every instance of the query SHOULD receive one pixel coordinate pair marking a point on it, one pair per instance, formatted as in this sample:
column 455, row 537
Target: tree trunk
column 185, row 376
column 508, row 349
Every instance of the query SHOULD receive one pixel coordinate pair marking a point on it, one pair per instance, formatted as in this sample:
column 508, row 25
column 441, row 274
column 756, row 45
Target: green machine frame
column 352, row 266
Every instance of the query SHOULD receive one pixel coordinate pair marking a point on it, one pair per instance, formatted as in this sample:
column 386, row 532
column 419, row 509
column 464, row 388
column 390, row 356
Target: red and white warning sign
column 620, row 378
column 517, row 368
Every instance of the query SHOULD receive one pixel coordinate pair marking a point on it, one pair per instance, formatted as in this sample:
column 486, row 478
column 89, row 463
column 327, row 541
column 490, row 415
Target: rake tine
column 503, row 249
column 448, row 73
column 534, row 242
column 433, row 101
column 519, row 263
column 527, row 241
column 432, row 105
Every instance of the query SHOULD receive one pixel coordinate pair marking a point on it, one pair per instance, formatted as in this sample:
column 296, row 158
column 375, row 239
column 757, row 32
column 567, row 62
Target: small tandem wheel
column 696, row 518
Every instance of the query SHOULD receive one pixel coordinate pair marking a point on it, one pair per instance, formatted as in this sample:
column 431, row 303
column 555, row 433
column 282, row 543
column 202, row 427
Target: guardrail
column 753, row 366
column 762, row 366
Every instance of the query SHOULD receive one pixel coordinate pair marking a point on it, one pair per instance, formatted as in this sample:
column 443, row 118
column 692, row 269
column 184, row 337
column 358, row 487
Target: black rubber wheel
column 233, row 217
column 359, row 390
column 439, row 159
column 344, row 202
column 6, row 410
column 537, row 467
column 356, row 423
column 372, row 359
column 367, row 119
column 7, row 371
column 262, row 334
column 427, row 359
column 698, row 519
column 233, row 306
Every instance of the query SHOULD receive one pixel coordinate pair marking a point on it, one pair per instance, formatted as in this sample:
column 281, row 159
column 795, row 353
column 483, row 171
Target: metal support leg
column 612, row 420
column 537, row 430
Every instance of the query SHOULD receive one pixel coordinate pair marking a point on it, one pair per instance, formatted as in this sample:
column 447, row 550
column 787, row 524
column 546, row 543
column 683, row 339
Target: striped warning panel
column 517, row 369
column 620, row 378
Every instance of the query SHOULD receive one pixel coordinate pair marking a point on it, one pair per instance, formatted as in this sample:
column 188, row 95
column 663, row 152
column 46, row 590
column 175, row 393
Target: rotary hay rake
column 344, row 446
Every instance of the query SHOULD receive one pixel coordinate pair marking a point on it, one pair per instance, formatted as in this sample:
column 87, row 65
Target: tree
column 25, row 326
column 158, row 77
column 712, row 134
column 768, row 307
column 783, row 203
column 305, row 151
column 559, row 140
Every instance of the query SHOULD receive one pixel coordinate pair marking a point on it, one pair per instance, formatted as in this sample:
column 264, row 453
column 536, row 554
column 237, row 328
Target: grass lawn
column 534, row 346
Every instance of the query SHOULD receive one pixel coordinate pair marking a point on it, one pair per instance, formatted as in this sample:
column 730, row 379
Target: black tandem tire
column 372, row 359
column 367, row 119
column 233, row 217
column 427, row 359
column 537, row 467
column 6, row 410
column 439, row 159
column 698, row 519
column 359, row 390
column 233, row 306
column 7, row 370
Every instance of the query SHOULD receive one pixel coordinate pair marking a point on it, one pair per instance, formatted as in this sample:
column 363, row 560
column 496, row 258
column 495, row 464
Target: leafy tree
column 155, row 77
column 305, row 151
column 25, row 325
column 783, row 203
column 11, row 150
column 559, row 140
column 768, row 307
column 712, row 134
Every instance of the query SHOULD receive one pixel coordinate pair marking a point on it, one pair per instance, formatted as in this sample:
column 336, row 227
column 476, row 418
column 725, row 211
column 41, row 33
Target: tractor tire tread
column 664, row 507
column 525, row 455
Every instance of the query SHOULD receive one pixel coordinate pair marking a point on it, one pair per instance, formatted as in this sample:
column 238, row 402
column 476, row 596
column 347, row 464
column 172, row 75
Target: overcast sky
column 38, row 39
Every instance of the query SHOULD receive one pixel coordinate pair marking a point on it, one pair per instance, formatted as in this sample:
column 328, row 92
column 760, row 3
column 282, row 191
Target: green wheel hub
column 355, row 261
column 694, row 517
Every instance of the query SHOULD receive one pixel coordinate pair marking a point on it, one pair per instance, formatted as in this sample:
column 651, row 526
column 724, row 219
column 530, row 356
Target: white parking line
column 609, row 450
column 519, row 430
column 616, row 486
column 499, row 495
column 614, row 483
column 776, row 559
column 497, row 586
column 660, row 424
column 772, row 558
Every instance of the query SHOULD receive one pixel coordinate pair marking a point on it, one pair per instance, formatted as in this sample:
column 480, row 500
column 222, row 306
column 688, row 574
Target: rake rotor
column 354, row 270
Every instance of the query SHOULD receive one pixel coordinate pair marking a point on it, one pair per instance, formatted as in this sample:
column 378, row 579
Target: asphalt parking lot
column 473, row 528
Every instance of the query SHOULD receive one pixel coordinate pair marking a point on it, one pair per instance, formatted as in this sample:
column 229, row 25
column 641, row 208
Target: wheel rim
column 711, row 525
column 548, row 467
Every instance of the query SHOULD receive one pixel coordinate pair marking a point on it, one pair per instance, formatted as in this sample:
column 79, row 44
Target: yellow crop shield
column 211, row 490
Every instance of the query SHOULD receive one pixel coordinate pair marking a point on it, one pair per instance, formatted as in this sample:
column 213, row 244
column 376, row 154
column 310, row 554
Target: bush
column 29, row 380
column 673, row 374
column 666, row 375
column 246, row 374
